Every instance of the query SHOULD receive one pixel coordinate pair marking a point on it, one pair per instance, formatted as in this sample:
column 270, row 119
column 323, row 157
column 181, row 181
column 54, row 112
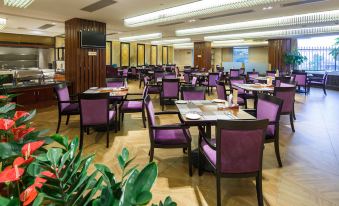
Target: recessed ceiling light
column 171, row 41
column 276, row 33
column 18, row 3
column 183, row 46
column 37, row 32
column 218, row 44
column 3, row 23
column 141, row 37
column 190, row 10
column 310, row 18
column 191, row 20
column 267, row 8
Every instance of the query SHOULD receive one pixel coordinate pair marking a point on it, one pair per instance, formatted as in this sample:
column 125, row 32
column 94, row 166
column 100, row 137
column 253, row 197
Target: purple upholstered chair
column 242, row 95
column 194, row 81
column 236, row 152
column 115, row 82
column 170, row 91
column 211, row 82
column 125, row 73
column 134, row 105
column 251, row 76
column 134, row 73
column 169, row 75
column 193, row 93
column 151, row 88
column 234, row 73
column 94, row 111
column 177, row 71
column 301, row 79
column 158, row 74
column 281, row 81
column 319, row 81
column 287, row 94
column 270, row 73
column 167, row 136
column 66, row 107
column 187, row 77
column 221, row 90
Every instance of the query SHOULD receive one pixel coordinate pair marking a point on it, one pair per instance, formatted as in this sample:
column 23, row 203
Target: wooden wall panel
column 141, row 54
column 276, row 50
column 154, row 57
column 165, row 55
column 203, row 54
column 82, row 70
column 125, row 53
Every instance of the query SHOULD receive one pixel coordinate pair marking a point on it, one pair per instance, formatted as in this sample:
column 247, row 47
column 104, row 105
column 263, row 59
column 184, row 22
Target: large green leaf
column 54, row 155
column 143, row 198
column 9, row 150
column 146, row 178
column 6, row 108
column 128, row 196
column 60, row 139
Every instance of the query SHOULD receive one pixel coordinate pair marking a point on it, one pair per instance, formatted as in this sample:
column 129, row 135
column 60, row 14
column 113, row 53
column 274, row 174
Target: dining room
column 169, row 103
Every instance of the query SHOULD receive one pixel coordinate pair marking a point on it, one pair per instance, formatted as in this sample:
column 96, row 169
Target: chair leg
column 87, row 130
column 67, row 119
column 218, row 190
column 292, row 124
column 294, row 117
column 151, row 154
column 259, row 189
column 81, row 137
column 107, row 136
column 189, row 161
column 324, row 88
column 59, row 121
column 277, row 152
column 122, row 116
column 143, row 117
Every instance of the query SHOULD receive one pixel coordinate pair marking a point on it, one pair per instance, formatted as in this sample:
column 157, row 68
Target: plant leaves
column 60, row 139
column 54, row 155
column 9, row 150
column 146, row 178
column 143, row 198
column 39, row 199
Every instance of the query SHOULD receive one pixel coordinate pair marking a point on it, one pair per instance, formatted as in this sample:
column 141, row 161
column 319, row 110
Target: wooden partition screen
column 154, row 55
column 85, row 68
column 140, row 54
column 276, row 50
column 108, row 53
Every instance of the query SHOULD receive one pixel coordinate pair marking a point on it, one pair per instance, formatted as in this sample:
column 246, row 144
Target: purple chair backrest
column 237, row 81
column 170, row 88
column 300, row 79
column 170, row 76
column 125, row 72
column 158, row 75
column 193, row 93
column 241, row 71
column 253, row 75
column 62, row 95
column 150, row 111
column 240, row 146
column 187, row 77
column 270, row 73
column 134, row 71
column 221, row 91
column 115, row 82
column 234, row 73
column 94, row 111
column 212, row 79
column 287, row 94
column 269, row 107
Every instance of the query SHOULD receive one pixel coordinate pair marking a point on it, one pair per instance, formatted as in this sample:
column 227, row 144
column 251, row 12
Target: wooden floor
column 310, row 175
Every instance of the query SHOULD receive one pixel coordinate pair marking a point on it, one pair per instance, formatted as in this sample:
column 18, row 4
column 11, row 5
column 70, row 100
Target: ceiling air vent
column 297, row 3
column 98, row 5
column 228, row 14
column 46, row 26
column 171, row 24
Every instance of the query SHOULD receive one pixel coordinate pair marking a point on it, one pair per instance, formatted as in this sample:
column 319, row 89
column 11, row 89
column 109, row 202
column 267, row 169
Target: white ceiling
column 26, row 21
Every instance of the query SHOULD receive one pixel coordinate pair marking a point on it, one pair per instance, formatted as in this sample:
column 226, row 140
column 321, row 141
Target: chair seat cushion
column 111, row 115
column 210, row 153
column 153, row 90
column 170, row 137
column 72, row 109
column 241, row 100
column 131, row 106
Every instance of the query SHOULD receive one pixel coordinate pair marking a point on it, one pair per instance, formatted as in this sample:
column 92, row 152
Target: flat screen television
column 91, row 39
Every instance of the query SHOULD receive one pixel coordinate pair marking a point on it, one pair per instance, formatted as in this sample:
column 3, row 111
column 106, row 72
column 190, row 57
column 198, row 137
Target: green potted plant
column 335, row 53
column 293, row 59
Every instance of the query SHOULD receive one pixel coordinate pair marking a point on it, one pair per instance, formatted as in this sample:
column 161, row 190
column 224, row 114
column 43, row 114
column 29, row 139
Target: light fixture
column 190, row 10
column 276, row 33
column 18, row 3
column 219, row 44
column 183, row 46
column 267, row 8
column 141, row 37
column 310, row 18
column 171, row 41
column 3, row 23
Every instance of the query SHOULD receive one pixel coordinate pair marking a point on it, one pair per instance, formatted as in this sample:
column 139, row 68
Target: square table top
column 113, row 91
column 210, row 112
column 255, row 87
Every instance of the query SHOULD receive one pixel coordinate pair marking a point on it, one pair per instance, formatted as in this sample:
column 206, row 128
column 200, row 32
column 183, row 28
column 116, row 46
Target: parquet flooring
column 310, row 175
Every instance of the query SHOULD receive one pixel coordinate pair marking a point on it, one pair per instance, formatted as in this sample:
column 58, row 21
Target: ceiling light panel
column 141, row 37
column 18, row 3
column 310, row 18
column 183, row 46
column 171, row 41
column 233, row 44
column 276, row 33
column 190, row 10
column 3, row 23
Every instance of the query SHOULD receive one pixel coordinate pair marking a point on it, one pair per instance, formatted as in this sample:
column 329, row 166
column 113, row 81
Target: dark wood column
column 276, row 50
column 202, row 54
column 84, row 70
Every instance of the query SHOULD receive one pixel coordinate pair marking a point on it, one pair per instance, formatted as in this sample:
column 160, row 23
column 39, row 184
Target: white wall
column 183, row 57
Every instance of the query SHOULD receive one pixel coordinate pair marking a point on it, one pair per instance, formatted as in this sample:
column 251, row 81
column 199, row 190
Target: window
column 240, row 54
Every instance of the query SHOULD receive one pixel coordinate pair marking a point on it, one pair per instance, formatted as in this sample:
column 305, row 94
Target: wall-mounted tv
column 91, row 39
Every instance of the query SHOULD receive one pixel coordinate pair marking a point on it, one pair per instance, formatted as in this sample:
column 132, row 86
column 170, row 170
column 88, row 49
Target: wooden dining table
column 113, row 91
column 210, row 112
column 255, row 89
